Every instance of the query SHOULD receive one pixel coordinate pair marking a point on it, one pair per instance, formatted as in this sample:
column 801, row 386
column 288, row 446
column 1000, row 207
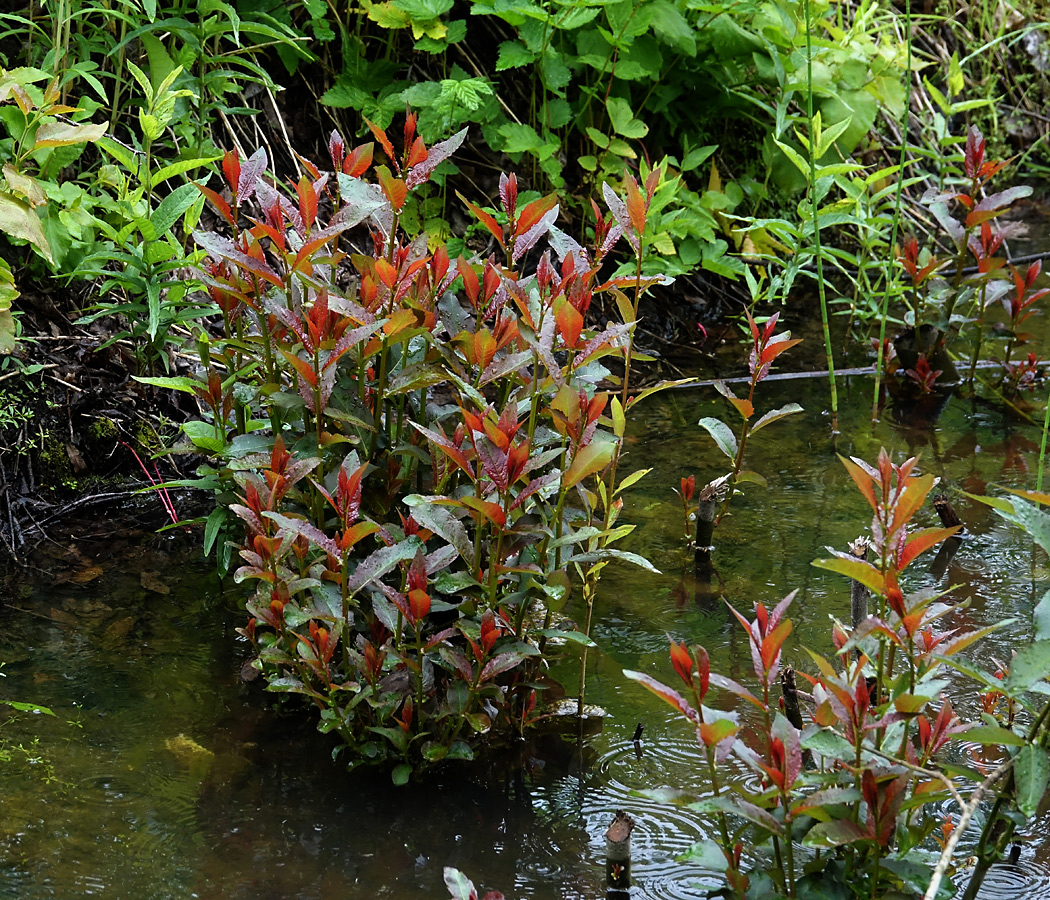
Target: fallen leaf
column 117, row 632
column 62, row 617
column 151, row 582
column 88, row 573
column 76, row 460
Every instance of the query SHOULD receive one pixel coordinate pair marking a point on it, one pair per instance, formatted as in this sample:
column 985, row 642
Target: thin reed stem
column 816, row 225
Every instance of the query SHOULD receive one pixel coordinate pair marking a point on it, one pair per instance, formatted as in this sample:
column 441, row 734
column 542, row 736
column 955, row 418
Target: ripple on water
column 1027, row 877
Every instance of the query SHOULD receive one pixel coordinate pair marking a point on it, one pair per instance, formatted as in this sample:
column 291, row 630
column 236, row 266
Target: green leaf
column 792, row 154
column 747, row 476
column 956, row 82
column 18, row 220
column 180, row 167
column 513, row 55
column 695, row 157
column 589, row 460
column 520, row 138
column 623, row 120
column 631, row 479
column 28, row 707
column 671, row 27
column 1032, row 519
column 609, row 553
column 401, row 774
column 1031, row 772
column 202, row 434
column 706, row 854
column 1041, row 618
column 172, row 207
column 175, row 383
column 994, row 735
column 857, row 569
column 1030, row 665
column 722, row 434
column 573, row 637
column 833, row 834
column 829, row 135
column 828, row 743
column 774, row 415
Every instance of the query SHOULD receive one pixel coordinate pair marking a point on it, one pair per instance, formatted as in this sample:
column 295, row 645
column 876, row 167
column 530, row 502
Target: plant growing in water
column 765, row 348
column 860, row 777
column 420, row 464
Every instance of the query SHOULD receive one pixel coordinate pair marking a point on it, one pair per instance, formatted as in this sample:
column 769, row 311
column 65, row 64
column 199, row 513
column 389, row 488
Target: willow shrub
column 424, row 463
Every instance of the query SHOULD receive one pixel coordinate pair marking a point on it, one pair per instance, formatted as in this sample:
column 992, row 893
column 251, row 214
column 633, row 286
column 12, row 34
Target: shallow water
column 170, row 778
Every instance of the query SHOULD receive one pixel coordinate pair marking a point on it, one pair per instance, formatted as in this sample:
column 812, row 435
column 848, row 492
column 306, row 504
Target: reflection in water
column 180, row 780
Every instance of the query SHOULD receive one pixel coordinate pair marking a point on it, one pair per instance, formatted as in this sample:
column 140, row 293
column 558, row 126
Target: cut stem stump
column 618, row 856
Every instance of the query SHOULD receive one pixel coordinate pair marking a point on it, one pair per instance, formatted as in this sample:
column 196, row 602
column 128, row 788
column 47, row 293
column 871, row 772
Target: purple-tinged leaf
column 311, row 532
column 668, row 695
column 435, row 156
column 619, row 210
column 528, row 240
column 251, row 170
column 381, row 561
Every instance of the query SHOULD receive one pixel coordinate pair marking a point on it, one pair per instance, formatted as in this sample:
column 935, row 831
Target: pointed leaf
column 922, row 541
column 722, row 434
column 1031, row 773
column 443, row 523
column 1030, row 665
column 668, row 695
column 788, row 409
column 857, row 569
column 834, row 834
column 377, row 564
column 589, row 460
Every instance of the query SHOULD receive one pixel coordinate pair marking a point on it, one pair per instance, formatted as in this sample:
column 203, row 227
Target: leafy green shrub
column 423, row 465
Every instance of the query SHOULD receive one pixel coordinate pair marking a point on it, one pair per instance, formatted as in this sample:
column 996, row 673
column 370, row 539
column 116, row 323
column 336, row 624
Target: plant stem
column 816, row 226
column 883, row 307
column 1042, row 447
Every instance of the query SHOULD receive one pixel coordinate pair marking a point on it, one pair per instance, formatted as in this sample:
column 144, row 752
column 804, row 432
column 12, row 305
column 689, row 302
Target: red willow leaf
column 360, row 158
column 508, row 194
column 532, row 213
column 231, row 169
column 911, row 499
column 307, row 202
column 384, row 142
column 218, row 202
column 922, row 541
column 862, row 479
column 636, row 205
column 486, row 219
column 250, row 173
column 394, row 189
column 772, row 644
column 668, row 695
column 436, row 155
